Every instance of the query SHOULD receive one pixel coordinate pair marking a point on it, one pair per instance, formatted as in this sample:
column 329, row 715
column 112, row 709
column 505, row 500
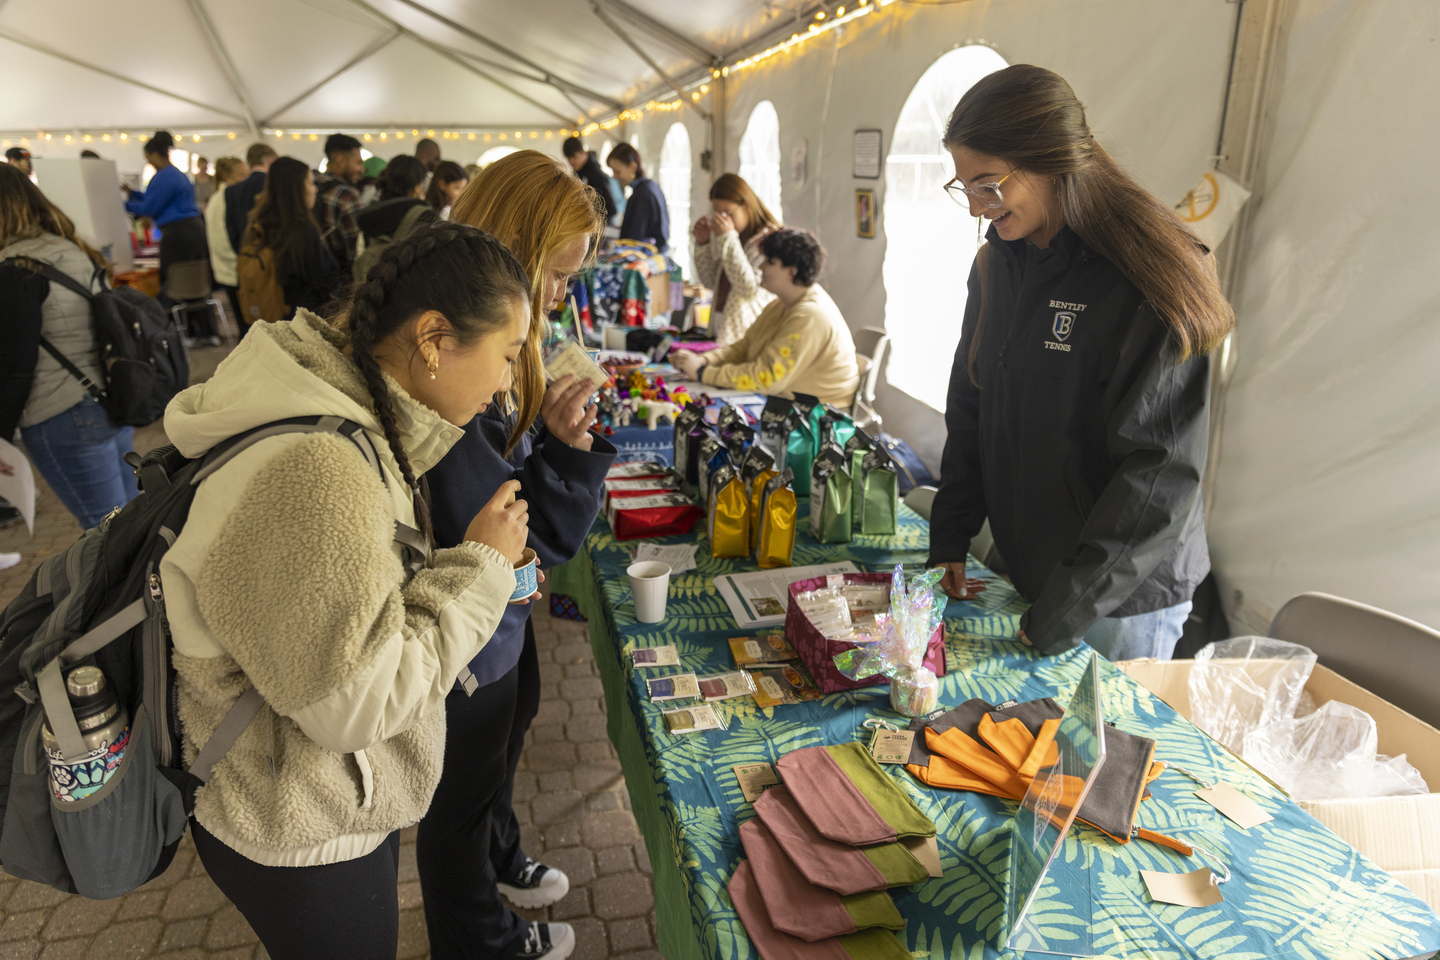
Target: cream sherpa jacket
column 286, row 578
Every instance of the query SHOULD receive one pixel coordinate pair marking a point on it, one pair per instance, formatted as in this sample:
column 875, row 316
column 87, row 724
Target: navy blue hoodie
column 563, row 486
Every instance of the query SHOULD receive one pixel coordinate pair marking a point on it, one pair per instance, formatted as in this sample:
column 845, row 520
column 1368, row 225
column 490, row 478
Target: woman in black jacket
column 1078, row 406
column 283, row 222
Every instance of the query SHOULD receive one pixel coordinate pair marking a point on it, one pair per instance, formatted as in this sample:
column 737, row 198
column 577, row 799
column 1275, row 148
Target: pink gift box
column 819, row 653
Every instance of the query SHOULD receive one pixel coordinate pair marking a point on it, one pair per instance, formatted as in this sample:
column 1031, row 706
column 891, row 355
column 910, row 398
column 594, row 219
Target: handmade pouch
column 800, row 908
column 848, row 798
column 828, row 863
column 777, row 521
column 830, row 493
column 729, row 511
column 873, row 944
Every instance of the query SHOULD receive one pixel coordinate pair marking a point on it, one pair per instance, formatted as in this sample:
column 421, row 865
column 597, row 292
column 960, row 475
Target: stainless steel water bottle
column 104, row 726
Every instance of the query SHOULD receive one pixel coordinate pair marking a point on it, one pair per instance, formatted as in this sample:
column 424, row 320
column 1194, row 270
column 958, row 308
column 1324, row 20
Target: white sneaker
column 537, row 886
column 552, row 941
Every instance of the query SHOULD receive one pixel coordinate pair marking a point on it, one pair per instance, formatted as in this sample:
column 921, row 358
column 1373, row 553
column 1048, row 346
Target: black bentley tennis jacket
column 1084, row 443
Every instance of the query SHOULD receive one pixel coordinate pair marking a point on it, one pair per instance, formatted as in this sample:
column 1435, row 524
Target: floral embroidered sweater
column 807, row 348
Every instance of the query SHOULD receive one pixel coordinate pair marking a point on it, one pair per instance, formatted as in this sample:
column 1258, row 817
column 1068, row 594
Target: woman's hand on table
column 565, row 414
column 687, row 363
column 721, row 223
column 955, row 584
column 701, row 230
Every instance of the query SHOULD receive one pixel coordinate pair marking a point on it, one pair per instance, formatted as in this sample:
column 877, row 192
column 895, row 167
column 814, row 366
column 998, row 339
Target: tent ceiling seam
column 619, row 31
column 49, row 52
column 375, row 47
column 660, row 31
column 222, row 60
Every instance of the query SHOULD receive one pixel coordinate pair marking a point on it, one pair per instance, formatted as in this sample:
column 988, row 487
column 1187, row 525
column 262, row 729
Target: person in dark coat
column 240, row 197
column 284, row 222
column 1078, row 407
column 588, row 168
column 646, row 215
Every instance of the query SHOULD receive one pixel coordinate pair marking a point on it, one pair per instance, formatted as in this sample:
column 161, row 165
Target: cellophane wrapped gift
column 901, row 643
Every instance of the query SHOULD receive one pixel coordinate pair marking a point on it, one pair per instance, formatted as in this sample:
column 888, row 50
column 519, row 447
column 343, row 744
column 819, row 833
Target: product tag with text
column 1182, row 889
column 1234, row 804
column 755, row 779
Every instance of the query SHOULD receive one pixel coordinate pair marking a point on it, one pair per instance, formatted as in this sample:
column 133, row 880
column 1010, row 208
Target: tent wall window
column 760, row 155
column 675, row 184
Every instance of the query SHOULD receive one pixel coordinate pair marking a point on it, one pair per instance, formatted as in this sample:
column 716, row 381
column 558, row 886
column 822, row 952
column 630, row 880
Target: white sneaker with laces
column 552, row 941
column 537, row 886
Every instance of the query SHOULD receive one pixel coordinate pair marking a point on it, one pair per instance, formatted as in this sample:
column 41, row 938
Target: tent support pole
column 363, row 55
column 619, row 31
column 718, row 112
column 222, row 60
column 40, row 48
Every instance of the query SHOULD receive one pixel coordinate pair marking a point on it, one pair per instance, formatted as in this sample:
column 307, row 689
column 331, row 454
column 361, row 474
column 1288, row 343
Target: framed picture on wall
column 865, row 213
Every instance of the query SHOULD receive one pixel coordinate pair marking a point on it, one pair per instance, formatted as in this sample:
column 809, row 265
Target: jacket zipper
column 156, row 671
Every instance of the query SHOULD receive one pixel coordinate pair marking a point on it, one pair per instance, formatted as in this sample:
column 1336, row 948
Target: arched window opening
column 493, row 154
column 930, row 240
column 760, row 155
column 675, row 184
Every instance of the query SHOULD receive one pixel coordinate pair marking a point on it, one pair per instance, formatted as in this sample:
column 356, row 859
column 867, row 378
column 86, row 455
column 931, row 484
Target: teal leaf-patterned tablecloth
column 1298, row 891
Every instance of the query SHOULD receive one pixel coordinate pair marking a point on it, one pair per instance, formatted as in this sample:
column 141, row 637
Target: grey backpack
column 101, row 604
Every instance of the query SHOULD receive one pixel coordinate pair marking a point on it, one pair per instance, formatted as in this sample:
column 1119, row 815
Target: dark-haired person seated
column 798, row 343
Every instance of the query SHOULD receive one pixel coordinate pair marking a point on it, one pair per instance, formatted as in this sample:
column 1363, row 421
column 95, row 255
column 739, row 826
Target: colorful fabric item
column 849, row 798
column 772, row 944
column 827, row 863
column 800, row 908
column 564, row 607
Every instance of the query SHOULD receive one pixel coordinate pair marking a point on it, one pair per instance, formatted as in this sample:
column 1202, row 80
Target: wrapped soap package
column 636, row 470
column 800, row 442
column 627, row 487
column 877, row 493
column 856, row 447
column 712, row 457
column 901, row 644
column 690, row 426
column 830, row 493
column 868, row 616
column 775, row 428
column 756, row 470
column 729, row 512
column 660, row 515
column 777, row 522
column 776, row 686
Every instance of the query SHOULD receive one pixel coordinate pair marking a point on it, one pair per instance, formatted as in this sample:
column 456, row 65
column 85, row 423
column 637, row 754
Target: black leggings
column 345, row 911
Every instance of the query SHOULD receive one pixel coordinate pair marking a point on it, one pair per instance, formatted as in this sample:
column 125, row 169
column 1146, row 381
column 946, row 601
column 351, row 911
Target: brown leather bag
column 261, row 296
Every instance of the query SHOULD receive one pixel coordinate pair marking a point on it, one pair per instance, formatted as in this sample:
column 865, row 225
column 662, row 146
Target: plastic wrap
column 898, row 641
column 1241, row 684
column 1328, row 755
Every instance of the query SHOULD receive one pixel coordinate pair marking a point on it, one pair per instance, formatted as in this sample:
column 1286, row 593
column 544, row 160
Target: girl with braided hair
column 469, row 849
column 288, row 578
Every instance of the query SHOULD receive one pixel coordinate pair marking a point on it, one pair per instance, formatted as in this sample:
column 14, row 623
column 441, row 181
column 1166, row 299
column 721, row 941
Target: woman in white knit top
column 728, row 257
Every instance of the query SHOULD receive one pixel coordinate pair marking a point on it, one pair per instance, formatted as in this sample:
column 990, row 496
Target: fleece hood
column 298, row 368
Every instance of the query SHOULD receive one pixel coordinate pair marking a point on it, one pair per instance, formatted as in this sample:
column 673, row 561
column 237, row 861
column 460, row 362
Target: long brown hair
column 733, row 188
column 26, row 213
column 445, row 174
column 281, row 219
column 1030, row 117
column 535, row 205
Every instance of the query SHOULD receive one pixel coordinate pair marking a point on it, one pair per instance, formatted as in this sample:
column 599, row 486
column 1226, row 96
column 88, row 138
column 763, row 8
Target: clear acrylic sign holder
column 1048, row 905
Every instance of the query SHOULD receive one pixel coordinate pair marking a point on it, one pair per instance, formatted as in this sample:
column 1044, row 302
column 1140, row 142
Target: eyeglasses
column 987, row 193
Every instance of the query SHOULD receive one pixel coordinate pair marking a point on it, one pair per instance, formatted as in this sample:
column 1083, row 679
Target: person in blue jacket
column 169, row 201
column 646, row 216
column 468, row 849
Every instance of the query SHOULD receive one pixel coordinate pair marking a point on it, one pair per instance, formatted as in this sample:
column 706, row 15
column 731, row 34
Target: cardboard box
column 1401, row 834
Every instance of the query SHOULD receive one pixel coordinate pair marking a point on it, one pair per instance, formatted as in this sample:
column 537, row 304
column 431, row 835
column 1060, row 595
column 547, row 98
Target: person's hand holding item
column 722, row 224
column 687, row 363
column 955, row 584
column 565, row 414
column 503, row 523
column 701, row 230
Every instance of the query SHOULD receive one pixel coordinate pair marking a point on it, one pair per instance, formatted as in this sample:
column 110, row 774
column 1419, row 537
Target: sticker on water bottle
column 73, row 781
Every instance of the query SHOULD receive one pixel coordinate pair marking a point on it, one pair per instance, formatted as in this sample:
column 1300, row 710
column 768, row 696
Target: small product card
column 1235, row 805
column 692, row 720
column 755, row 779
column 892, row 746
column 679, row 686
column 1182, row 889
column 781, row 685
column 570, row 357
column 724, row 686
column 666, row 656
column 766, row 648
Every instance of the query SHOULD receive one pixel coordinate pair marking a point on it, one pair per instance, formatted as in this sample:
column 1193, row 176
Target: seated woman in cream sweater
column 798, row 343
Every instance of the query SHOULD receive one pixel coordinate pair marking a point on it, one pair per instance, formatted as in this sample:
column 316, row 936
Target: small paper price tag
column 1182, row 889
column 892, row 746
column 1234, row 804
column 833, row 580
column 755, row 779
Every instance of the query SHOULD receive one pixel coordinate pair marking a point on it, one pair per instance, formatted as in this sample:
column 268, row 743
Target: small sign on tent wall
column 1211, row 207
column 867, row 154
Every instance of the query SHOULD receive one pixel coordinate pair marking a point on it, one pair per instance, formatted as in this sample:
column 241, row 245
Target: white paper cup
column 615, row 336
column 650, row 584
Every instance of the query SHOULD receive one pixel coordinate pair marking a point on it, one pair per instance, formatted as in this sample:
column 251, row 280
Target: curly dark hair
column 798, row 249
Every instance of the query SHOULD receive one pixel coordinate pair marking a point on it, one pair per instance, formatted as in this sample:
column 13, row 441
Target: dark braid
column 458, row 271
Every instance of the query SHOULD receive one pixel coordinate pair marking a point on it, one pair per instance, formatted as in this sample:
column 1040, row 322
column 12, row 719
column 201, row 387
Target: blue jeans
column 1152, row 634
column 80, row 454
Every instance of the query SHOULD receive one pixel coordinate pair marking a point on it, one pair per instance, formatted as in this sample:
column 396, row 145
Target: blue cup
column 526, row 580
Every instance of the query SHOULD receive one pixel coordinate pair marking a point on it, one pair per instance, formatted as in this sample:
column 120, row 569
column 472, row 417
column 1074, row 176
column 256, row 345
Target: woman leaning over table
column 728, row 256
column 1078, row 409
column 469, row 845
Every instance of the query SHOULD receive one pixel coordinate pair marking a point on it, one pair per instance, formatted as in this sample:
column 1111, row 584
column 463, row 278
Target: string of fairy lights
column 823, row 20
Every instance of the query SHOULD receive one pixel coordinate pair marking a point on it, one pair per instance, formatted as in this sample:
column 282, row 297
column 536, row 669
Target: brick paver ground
column 569, row 795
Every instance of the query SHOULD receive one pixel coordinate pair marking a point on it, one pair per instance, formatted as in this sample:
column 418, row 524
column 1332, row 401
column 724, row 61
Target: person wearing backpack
column 283, row 263
column 286, row 578
column 468, row 849
column 399, row 210
column 69, row 436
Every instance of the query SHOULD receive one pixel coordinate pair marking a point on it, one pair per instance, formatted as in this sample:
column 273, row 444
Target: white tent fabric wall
column 1330, row 459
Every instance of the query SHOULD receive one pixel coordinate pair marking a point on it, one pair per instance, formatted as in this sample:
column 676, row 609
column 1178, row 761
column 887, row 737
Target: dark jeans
column 182, row 240
column 470, row 835
column 80, row 453
column 339, row 911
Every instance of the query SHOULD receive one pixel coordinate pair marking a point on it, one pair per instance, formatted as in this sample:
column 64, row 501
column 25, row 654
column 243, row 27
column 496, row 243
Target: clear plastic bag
column 1329, row 755
column 1239, row 685
column 896, row 643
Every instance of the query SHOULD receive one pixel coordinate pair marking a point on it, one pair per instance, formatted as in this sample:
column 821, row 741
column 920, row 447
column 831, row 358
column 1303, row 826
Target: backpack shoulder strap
column 236, row 719
column 56, row 276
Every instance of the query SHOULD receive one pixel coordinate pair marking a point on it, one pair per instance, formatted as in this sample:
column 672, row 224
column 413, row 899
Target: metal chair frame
column 193, row 288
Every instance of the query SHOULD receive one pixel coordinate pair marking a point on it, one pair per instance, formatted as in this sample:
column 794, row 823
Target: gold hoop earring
column 433, row 365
